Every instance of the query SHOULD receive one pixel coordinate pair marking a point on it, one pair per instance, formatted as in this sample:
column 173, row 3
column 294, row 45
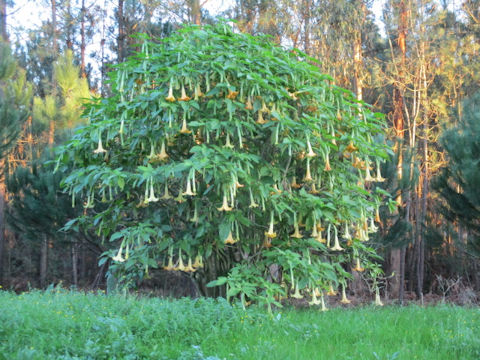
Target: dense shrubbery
column 223, row 154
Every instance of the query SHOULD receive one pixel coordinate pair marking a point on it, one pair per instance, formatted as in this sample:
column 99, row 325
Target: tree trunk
column 398, row 123
column 121, row 32
column 82, row 40
column 3, row 20
column 43, row 261
column 54, row 28
column 74, row 263
column 306, row 17
column 195, row 11
column 2, row 229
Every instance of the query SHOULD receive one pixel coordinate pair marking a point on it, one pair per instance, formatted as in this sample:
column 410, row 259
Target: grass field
column 69, row 325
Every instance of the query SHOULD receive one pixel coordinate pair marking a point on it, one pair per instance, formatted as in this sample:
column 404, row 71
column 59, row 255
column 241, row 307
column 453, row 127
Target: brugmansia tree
column 223, row 154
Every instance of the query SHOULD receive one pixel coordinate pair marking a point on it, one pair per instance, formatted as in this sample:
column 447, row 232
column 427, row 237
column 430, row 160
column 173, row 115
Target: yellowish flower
column 294, row 183
column 297, row 294
column 170, row 96
column 260, row 119
column 99, row 148
column 327, row 164
column 169, row 266
column 378, row 301
column 358, row 267
column 119, row 257
column 163, row 154
column 331, row 292
column 224, row 206
column 344, row 296
column 310, row 152
column 198, row 92
column 198, row 262
column 322, row 300
column 314, row 190
column 248, row 105
column 308, row 175
column 189, row 267
column 270, row 233
column 315, row 300
column 227, row 142
column 379, row 177
column 184, row 96
column 230, row 240
column 336, row 245
column 188, row 190
column 152, row 197
column 232, row 94
column 184, row 129
column 166, row 195
column 252, row 200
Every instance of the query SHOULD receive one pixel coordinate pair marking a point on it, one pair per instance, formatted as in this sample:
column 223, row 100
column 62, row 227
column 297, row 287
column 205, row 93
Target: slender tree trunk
column 196, row 12
column 121, row 32
column 3, row 20
column 74, row 263
column 307, row 4
column 82, row 40
column 398, row 119
column 54, row 28
column 2, row 228
column 43, row 261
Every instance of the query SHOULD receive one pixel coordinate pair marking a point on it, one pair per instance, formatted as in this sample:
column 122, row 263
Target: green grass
column 64, row 325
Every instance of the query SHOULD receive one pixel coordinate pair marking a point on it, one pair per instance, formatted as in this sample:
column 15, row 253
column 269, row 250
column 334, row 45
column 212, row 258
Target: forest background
column 421, row 70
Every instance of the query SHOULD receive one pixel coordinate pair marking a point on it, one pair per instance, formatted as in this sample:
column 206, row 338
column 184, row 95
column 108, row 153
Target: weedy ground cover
column 73, row 325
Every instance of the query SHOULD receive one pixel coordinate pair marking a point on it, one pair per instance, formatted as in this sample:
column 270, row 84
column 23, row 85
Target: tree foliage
column 217, row 145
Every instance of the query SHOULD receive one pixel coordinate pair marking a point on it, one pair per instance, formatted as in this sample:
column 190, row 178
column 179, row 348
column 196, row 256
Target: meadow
column 73, row 325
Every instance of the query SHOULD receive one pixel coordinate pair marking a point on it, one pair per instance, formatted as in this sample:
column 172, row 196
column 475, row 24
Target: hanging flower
column 166, row 195
column 308, row 175
column 344, row 296
column 297, row 294
column 252, row 200
column 248, row 105
column 368, row 177
column 351, row 148
column 378, row 301
column 119, row 257
column 336, row 245
column 198, row 92
column 372, row 228
column 377, row 215
column 270, row 233
column 181, row 265
column 260, row 119
column 184, row 129
column 169, row 266
column 314, row 190
column 379, row 177
column 184, row 96
column 331, row 291
column 358, row 267
column 99, row 148
column 188, row 190
column 189, row 267
column 294, row 183
column 322, row 300
column 198, row 262
column 230, row 240
column 232, row 94
column 170, row 96
column 296, row 234
column 227, row 142
column 314, row 301
column 310, row 152
column 163, row 154
column 327, row 164
column 224, row 206
column 151, row 197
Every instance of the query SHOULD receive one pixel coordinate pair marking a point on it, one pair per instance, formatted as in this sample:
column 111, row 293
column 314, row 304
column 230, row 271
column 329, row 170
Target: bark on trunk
column 2, row 230
column 3, row 20
column 74, row 264
column 121, row 32
column 43, row 261
column 196, row 12
column 82, row 40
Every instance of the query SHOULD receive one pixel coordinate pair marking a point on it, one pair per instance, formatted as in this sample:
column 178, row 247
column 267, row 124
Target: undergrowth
column 71, row 325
